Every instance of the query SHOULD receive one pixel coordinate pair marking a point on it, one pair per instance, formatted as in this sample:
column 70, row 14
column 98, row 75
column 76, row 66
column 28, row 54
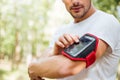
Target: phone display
column 85, row 46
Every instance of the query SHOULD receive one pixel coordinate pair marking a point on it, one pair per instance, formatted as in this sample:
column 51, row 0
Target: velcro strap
column 90, row 59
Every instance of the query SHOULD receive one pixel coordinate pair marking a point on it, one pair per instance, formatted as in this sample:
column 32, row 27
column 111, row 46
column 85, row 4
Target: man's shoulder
column 106, row 15
column 107, row 19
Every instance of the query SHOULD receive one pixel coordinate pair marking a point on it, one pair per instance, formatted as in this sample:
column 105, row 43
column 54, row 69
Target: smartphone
column 86, row 44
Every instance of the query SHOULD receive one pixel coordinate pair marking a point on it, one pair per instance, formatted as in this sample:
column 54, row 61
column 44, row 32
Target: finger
column 32, row 76
column 69, row 38
column 39, row 78
column 63, row 40
column 60, row 44
column 75, row 38
column 33, row 79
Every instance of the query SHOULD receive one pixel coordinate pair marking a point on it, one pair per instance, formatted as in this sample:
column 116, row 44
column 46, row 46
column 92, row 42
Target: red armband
column 84, row 50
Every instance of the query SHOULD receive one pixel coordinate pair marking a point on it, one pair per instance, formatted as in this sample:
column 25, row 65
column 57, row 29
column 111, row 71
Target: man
column 87, row 19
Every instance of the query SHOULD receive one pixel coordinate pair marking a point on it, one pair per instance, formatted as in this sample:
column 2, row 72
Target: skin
column 79, row 9
column 52, row 66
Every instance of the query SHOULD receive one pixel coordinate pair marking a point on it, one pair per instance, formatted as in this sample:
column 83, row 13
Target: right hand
column 64, row 41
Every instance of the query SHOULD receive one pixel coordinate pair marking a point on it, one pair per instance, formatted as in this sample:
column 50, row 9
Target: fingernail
column 71, row 43
column 63, row 46
column 77, row 40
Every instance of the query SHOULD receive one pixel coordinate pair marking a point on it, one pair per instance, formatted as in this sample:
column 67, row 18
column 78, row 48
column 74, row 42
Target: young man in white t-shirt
column 86, row 20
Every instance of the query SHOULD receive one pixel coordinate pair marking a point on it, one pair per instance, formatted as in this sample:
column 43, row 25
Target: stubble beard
column 80, row 14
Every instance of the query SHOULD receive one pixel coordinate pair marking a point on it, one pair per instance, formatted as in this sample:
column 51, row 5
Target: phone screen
column 77, row 48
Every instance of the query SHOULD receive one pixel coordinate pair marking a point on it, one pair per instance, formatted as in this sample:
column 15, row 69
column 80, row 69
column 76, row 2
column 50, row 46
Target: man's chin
column 77, row 16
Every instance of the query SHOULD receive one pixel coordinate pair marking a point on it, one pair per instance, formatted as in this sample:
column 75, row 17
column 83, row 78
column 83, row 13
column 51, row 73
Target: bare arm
column 58, row 66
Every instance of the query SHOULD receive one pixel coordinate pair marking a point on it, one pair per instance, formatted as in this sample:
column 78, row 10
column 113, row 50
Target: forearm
column 56, row 67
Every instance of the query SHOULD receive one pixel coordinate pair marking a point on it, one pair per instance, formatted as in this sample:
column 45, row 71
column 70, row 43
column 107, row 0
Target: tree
column 22, row 25
column 109, row 6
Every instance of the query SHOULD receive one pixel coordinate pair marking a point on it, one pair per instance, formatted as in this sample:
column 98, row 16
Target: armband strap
column 90, row 57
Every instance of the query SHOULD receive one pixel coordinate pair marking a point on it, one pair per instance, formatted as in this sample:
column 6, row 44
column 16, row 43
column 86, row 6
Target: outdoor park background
column 26, row 27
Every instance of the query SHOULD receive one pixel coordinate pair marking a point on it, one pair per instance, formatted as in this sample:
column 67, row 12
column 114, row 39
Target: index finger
column 75, row 38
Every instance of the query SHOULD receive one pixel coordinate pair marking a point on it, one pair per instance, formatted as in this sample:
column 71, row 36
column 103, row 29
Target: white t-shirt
column 105, row 27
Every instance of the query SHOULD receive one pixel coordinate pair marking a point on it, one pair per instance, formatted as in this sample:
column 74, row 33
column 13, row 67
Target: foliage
column 22, row 22
column 109, row 6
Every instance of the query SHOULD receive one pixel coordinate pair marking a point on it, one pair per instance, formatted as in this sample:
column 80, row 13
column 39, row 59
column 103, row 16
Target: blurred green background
column 26, row 27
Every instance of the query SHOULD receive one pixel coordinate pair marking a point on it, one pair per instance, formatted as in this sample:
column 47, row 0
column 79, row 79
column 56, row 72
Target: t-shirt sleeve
column 108, row 31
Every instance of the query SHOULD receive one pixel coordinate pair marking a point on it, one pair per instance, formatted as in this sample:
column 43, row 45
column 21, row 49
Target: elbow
column 31, row 69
